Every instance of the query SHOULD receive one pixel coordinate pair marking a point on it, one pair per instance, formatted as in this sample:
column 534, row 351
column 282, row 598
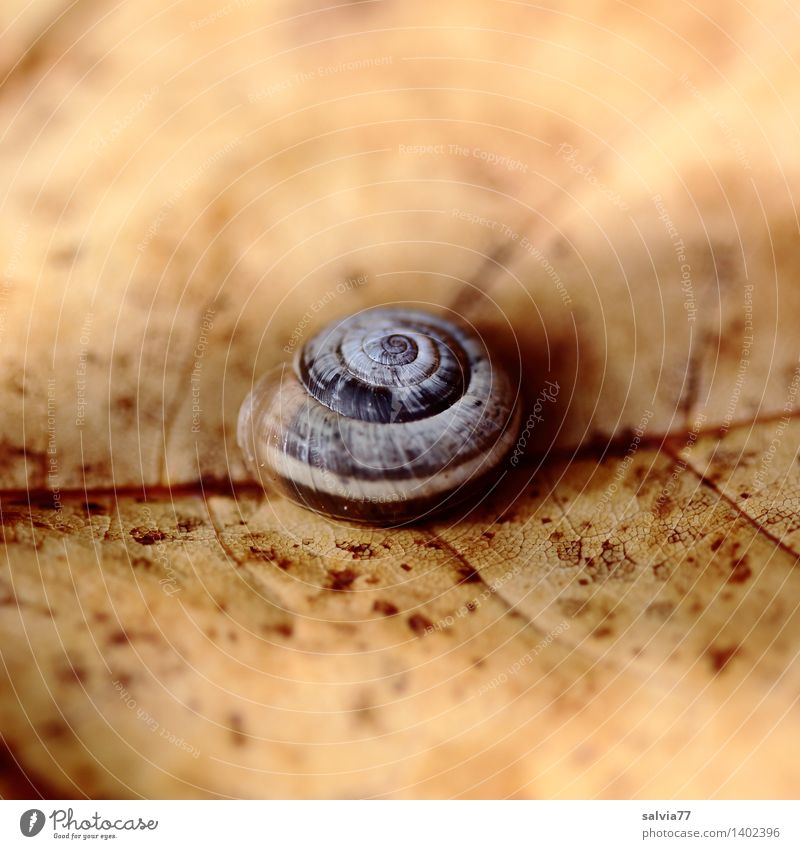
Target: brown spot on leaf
column 72, row 674
column 342, row 579
column 740, row 571
column 237, row 729
column 721, row 657
column 55, row 729
column 360, row 551
column 384, row 607
column 147, row 536
column 419, row 624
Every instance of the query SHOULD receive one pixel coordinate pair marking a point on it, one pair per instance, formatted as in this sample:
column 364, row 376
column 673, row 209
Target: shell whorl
column 385, row 366
column 388, row 416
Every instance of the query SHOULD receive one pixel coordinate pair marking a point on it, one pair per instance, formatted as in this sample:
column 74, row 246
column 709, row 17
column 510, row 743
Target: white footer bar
column 402, row 825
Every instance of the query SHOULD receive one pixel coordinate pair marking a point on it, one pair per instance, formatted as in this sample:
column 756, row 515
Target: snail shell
column 389, row 416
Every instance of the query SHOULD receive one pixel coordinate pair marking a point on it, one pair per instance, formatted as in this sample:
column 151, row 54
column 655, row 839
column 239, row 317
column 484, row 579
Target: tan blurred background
column 607, row 189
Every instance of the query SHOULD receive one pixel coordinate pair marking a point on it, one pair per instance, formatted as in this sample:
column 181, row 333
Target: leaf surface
column 608, row 193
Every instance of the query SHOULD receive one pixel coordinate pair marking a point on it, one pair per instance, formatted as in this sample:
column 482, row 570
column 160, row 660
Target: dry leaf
column 607, row 192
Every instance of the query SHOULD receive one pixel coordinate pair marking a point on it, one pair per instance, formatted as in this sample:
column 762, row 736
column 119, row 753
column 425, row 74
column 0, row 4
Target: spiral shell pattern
column 388, row 416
